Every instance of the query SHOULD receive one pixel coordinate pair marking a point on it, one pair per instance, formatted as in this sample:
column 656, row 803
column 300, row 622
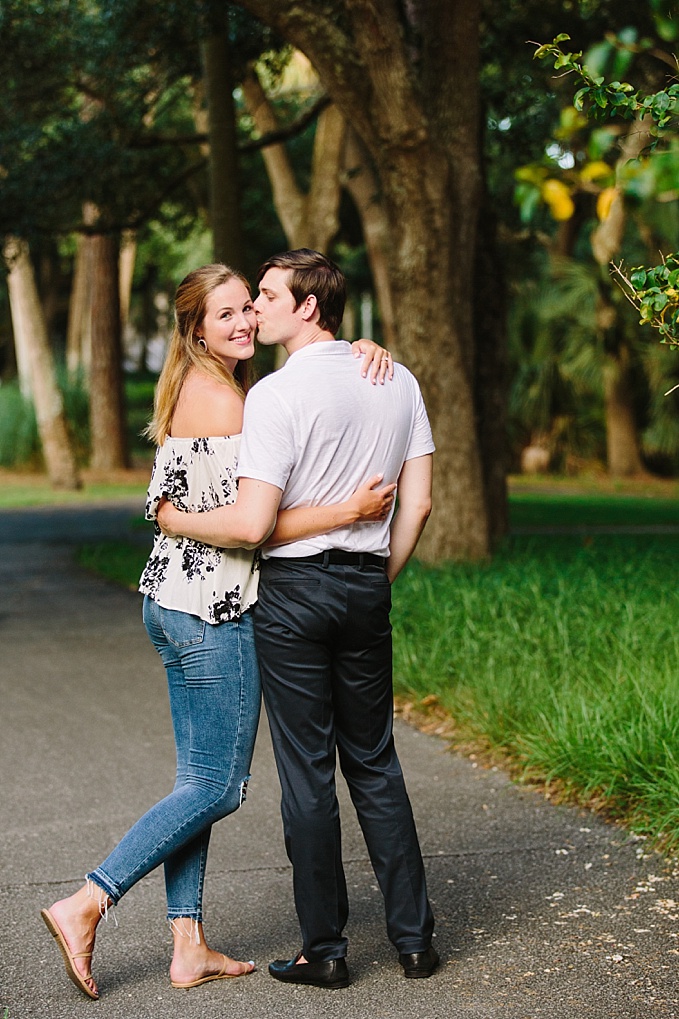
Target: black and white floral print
column 216, row 584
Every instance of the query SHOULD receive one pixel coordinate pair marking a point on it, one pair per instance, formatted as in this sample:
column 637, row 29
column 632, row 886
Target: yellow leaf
column 605, row 201
column 557, row 196
column 596, row 169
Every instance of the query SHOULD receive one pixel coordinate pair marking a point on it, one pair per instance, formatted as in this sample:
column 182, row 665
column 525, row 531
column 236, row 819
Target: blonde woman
column 197, row 613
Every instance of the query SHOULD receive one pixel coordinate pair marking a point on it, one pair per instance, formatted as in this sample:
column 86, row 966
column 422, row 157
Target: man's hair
column 310, row 272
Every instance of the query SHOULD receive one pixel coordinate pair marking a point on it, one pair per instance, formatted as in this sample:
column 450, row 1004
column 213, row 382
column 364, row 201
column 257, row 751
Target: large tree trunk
column 107, row 420
column 423, row 140
column 223, row 160
column 31, row 333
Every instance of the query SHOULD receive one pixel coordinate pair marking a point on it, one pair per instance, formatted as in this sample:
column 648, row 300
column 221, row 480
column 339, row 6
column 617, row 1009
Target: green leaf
column 638, row 278
column 578, row 98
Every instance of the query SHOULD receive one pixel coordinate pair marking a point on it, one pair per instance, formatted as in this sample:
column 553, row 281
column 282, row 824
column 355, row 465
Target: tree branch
column 281, row 134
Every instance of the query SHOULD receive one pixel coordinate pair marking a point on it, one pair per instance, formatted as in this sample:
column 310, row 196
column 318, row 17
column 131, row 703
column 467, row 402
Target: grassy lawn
column 561, row 655
column 20, row 489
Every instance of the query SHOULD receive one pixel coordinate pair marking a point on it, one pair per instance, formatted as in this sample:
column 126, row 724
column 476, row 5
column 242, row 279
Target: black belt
column 336, row 557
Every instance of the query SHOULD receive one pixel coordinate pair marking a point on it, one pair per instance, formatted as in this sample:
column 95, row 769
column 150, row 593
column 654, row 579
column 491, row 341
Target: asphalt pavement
column 541, row 910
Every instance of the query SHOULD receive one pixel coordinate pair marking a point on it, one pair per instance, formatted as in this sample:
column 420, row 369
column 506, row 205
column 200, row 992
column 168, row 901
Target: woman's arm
column 378, row 363
column 366, row 504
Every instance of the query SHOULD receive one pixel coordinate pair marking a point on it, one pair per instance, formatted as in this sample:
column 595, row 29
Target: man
column 312, row 433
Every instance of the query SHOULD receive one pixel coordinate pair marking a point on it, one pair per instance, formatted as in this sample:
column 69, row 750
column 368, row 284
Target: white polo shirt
column 317, row 430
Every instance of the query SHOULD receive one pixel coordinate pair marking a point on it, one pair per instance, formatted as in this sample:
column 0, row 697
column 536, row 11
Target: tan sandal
column 222, row 975
column 69, row 957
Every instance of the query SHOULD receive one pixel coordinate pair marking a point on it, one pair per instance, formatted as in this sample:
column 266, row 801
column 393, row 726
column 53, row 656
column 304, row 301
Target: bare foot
column 75, row 920
column 194, row 963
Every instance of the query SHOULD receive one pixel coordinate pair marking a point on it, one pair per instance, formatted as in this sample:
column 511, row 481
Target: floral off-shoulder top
column 216, row 584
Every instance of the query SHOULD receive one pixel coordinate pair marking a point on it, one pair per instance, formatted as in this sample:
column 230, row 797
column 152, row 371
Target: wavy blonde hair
column 184, row 352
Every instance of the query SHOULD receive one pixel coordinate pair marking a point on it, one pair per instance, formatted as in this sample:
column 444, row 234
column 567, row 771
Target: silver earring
column 201, row 343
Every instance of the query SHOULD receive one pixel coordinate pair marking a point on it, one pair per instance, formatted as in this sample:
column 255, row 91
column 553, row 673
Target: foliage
column 19, row 441
column 602, row 99
column 653, row 291
column 98, row 106
column 18, row 430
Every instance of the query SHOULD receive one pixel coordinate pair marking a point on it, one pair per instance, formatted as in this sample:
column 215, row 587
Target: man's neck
column 307, row 338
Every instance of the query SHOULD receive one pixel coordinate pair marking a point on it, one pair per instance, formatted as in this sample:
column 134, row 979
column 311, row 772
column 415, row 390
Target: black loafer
column 330, row 973
column 419, row 964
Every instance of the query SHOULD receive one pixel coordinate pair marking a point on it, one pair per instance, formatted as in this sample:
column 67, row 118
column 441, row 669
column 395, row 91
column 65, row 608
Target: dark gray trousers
column 323, row 640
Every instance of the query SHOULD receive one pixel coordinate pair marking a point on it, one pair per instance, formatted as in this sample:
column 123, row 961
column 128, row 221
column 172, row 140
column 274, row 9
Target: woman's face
column 229, row 325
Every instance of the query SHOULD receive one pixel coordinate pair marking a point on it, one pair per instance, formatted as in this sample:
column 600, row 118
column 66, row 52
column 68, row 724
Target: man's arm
column 246, row 523
column 414, row 507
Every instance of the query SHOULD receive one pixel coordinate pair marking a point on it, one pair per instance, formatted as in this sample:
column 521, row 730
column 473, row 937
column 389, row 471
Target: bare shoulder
column 206, row 407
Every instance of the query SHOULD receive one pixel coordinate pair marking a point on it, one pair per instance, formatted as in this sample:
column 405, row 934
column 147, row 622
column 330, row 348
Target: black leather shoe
column 419, row 964
column 330, row 973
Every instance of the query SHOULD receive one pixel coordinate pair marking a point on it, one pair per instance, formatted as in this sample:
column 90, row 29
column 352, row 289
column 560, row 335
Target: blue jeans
column 214, row 689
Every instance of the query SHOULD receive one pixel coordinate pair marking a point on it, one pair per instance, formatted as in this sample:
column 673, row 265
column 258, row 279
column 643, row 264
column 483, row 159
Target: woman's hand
column 164, row 515
column 371, row 503
column 378, row 363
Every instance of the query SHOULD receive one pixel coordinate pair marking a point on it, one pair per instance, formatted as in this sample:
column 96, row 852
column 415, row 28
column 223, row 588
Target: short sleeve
column 268, row 445
column 421, row 439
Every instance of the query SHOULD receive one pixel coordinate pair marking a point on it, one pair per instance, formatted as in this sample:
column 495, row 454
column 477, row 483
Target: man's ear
column 310, row 308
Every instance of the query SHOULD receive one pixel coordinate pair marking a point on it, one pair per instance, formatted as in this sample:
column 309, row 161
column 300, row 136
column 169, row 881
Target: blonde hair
column 185, row 353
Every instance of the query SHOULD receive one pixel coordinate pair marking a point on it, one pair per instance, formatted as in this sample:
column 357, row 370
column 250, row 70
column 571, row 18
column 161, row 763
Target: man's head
column 297, row 289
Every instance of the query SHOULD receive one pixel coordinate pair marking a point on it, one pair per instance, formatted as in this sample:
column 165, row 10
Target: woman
column 196, row 611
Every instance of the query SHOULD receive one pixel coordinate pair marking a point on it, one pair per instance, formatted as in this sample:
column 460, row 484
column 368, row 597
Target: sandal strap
column 81, row 955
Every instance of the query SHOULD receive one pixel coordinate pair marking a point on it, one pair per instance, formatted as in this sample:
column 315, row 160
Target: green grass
column 121, row 562
column 18, row 491
column 563, row 654
column 563, row 509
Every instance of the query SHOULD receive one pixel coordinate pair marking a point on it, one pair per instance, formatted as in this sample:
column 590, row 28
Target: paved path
column 542, row 911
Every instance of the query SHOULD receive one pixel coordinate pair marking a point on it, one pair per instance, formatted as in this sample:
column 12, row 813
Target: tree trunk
column 622, row 434
column 107, row 421
column 622, row 441
column 491, row 372
column 311, row 220
column 128, row 254
column 79, row 330
column 29, row 325
column 223, row 161
column 417, row 114
column 359, row 179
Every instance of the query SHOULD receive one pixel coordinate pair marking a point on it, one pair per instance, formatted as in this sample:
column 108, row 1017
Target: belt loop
column 361, row 561
column 326, row 559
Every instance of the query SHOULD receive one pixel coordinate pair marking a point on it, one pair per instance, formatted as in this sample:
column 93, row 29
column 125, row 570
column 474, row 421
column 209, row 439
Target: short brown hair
column 310, row 272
